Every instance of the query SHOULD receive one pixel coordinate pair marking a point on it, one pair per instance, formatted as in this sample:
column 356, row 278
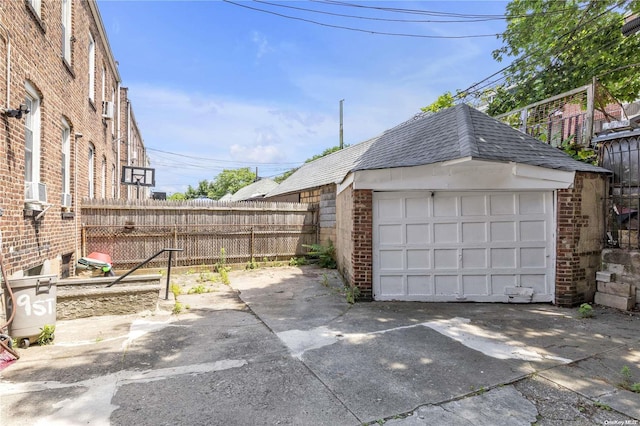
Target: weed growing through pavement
column 585, row 310
column 46, row 335
column 627, row 380
column 602, row 406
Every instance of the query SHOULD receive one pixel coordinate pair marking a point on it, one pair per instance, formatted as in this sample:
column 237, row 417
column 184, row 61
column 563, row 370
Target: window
column 32, row 136
column 113, row 181
column 66, row 159
column 92, row 70
column 103, row 183
column 92, row 161
column 104, row 83
column 66, row 30
column 37, row 6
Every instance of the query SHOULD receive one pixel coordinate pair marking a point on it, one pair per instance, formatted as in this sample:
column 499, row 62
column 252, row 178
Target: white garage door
column 463, row 246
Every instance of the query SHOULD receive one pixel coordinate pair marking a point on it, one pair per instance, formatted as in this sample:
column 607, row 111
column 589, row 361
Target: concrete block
column 617, row 289
column 613, row 301
column 605, row 276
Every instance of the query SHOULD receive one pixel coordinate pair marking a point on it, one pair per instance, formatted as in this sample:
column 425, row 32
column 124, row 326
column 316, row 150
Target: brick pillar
column 580, row 229
column 361, row 257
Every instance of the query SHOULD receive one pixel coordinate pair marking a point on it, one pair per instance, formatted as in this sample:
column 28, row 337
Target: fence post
column 251, row 244
column 83, row 234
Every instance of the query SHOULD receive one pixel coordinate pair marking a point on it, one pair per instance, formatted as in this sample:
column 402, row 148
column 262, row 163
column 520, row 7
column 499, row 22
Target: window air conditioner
column 66, row 200
column 35, row 192
column 107, row 110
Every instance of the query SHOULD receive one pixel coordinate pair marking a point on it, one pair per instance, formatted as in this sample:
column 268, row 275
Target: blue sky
column 219, row 86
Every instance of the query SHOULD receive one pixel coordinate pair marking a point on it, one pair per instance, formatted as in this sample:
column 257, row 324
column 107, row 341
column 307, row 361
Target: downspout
column 129, row 196
column 119, row 141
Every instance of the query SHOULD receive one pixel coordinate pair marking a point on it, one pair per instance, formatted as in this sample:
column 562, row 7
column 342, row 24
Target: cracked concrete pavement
column 282, row 346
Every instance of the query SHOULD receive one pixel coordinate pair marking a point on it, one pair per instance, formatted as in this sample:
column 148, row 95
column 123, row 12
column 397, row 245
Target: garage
column 458, row 207
column 489, row 246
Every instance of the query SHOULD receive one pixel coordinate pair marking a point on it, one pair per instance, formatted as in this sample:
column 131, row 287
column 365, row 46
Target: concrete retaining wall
column 86, row 297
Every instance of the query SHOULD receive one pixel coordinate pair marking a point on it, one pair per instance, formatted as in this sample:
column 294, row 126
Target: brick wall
column 580, row 230
column 362, row 237
column 62, row 86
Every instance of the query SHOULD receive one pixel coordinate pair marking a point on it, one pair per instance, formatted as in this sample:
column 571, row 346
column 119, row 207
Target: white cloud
column 260, row 40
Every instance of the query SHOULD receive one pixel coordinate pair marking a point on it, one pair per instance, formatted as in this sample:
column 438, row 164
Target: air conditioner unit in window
column 107, row 110
column 66, row 200
column 35, row 192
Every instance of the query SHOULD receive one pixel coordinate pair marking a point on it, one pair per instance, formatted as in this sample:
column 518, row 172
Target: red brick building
column 66, row 130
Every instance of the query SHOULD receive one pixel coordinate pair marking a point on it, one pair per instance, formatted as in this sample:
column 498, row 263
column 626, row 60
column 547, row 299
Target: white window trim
column 33, row 120
column 66, row 157
column 37, row 7
column 66, row 30
column 103, row 184
column 91, row 171
column 92, row 69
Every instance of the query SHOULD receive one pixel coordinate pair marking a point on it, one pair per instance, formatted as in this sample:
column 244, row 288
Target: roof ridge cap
column 466, row 132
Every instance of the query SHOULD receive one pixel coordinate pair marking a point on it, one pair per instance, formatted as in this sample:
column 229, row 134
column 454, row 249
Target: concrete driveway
column 282, row 346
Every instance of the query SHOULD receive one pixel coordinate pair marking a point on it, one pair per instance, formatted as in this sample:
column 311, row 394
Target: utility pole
column 341, row 129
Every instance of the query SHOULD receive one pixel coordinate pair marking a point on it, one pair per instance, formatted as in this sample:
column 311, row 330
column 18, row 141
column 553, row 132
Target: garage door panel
column 417, row 234
column 446, row 285
column 391, row 259
column 390, row 209
column 449, row 246
column 503, row 258
column 392, row 285
column 502, row 204
column 417, row 208
column 445, row 206
column 499, row 283
column 503, row 231
column 419, row 285
column 473, row 205
column 532, row 203
column 532, row 230
column 474, row 232
column 445, row 233
column 390, row 234
column 474, row 285
column 418, row 259
column 474, row 258
column 533, row 257
column 445, row 259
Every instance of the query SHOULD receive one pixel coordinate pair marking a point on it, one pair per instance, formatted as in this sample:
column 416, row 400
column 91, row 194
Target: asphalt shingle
column 460, row 132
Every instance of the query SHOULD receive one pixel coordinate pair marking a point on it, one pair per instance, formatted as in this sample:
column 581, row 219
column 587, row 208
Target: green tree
column 557, row 46
column 230, row 181
column 177, row 196
column 201, row 191
column 446, row 100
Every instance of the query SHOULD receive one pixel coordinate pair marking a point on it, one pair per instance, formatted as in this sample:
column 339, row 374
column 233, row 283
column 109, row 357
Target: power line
column 369, row 18
column 434, row 13
column 250, row 163
column 359, row 29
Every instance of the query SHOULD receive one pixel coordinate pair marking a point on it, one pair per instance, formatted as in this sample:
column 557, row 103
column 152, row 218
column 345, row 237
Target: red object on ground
column 102, row 257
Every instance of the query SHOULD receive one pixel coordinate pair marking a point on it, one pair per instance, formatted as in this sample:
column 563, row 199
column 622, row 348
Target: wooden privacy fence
column 208, row 232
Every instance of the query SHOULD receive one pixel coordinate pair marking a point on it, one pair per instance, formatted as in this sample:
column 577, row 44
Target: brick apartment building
column 66, row 129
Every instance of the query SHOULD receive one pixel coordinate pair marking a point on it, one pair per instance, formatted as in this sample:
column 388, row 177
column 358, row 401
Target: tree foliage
column 558, row 46
column 230, row 181
column 446, row 100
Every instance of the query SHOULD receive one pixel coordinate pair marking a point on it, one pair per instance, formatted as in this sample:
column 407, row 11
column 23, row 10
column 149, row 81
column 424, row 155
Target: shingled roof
column 331, row 168
column 255, row 190
column 460, row 132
